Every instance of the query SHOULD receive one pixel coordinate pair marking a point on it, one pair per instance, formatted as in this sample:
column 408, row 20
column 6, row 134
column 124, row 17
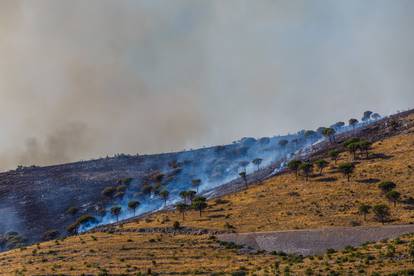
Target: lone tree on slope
column 196, row 183
column 243, row 175
column 322, row 164
column 364, row 146
column 393, row 196
column 307, row 169
column 367, row 116
column 199, row 204
column 294, row 166
column 382, row 212
column 347, row 169
column 334, row 154
column 116, row 211
column 353, row 147
column 182, row 208
column 330, row 134
column 133, row 205
column 364, row 210
column 257, row 162
column 353, row 122
column 387, row 186
column 164, row 194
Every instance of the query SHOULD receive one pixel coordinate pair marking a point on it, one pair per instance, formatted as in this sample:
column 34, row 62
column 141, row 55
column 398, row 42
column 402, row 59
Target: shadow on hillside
column 327, row 179
column 380, row 156
column 408, row 201
column 368, row 181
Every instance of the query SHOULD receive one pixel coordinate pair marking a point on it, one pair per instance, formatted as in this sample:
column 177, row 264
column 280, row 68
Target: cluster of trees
column 306, row 168
column 244, row 164
column 132, row 206
column 382, row 212
column 191, row 202
column 356, row 144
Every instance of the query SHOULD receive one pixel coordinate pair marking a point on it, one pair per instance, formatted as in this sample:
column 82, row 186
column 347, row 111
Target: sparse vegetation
column 382, row 212
column 182, row 208
column 243, row 176
column 347, row 169
column 387, row 186
column 393, row 196
column 307, row 169
column 294, row 166
column 322, row 164
column 199, row 204
column 364, row 210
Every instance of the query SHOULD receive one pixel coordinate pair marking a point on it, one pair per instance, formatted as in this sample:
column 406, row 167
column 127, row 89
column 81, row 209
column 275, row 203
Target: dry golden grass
column 280, row 203
column 128, row 254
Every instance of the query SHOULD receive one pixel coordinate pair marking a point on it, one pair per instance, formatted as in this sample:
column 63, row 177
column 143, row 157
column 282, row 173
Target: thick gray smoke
column 81, row 79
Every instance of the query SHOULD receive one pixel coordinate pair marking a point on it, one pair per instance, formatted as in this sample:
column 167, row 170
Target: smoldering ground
column 82, row 79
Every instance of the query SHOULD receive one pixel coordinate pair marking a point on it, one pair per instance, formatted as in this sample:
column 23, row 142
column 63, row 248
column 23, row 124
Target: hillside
column 282, row 202
column 42, row 202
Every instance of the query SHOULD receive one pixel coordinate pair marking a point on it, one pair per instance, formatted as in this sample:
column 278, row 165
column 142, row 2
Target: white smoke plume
column 82, row 79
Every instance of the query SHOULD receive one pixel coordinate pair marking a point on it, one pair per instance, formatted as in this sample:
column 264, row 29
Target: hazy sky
column 87, row 78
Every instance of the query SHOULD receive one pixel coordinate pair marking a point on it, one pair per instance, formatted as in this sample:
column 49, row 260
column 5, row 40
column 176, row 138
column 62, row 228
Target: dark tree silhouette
column 196, row 183
column 133, row 205
column 294, row 166
column 364, row 210
column 116, row 211
column 307, row 169
column 257, row 162
column 353, row 123
column 393, row 196
column 164, row 194
column 243, row 175
column 387, row 186
column 367, row 116
column 182, row 208
column 353, row 148
column 347, row 169
column 322, row 164
column 310, row 133
column 364, row 147
column 330, row 134
column 199, row 204
column 109, row 192
column 334, row 154
column 382, row 212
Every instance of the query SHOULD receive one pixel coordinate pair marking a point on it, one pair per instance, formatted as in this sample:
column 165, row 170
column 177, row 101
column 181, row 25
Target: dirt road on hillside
column 316, row 241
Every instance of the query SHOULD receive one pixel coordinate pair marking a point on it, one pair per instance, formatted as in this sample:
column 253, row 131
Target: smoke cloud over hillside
column 82, row 79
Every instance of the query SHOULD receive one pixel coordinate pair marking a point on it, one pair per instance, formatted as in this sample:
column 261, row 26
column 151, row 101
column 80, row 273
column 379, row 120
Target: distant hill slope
column 152, row 244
